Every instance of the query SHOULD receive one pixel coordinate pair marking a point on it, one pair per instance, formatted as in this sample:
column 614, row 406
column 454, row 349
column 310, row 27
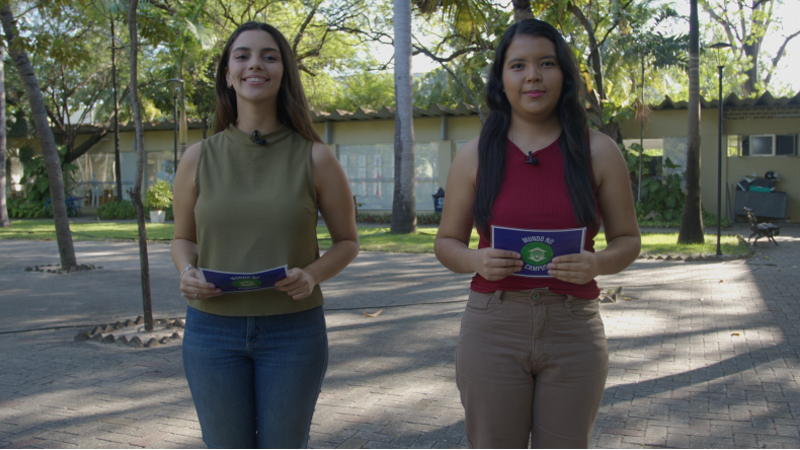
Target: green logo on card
column 537, row 253
column 246, row 283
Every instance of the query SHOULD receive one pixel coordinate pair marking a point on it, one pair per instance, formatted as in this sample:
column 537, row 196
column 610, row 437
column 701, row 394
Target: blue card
column 538, row 247
column 245, row 282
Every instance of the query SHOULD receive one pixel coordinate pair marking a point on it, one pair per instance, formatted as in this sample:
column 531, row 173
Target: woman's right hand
column 193, row 287
column 495, row 264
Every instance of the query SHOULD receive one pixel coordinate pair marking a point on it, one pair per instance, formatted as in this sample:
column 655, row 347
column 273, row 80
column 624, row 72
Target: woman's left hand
column 298, row 283
column 577, row 268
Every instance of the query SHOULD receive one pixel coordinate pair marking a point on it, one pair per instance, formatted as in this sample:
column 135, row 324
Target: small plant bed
column 56, row 268
column 131, row 333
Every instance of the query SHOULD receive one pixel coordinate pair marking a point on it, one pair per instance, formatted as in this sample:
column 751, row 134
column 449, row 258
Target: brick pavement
column 702, row 355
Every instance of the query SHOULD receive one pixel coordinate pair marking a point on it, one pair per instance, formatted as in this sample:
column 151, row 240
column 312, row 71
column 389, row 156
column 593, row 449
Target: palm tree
column 46, row 139
column 691, row 231
column 4, row 220
column 404, row 211
column 136, row 191
column 468, row 16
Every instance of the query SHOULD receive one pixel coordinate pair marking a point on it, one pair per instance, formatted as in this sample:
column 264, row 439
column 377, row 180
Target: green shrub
column 159, row 196
column 710, row 220
column 21, row 208
column 117, row 210
column 386, row 218
column 662, row 199
column 429, row 219
column 376, row 219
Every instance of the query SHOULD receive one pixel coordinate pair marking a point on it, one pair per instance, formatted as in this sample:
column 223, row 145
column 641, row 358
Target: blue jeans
column 255, row 380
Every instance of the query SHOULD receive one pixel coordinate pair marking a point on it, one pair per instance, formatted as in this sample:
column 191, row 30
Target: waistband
column 537, row 295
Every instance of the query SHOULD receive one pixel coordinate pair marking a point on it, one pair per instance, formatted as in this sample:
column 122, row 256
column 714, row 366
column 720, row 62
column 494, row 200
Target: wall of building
column 737, row 122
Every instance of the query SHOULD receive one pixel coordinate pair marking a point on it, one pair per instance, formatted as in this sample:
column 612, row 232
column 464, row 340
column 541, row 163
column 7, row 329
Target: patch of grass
column 373, row 239
column 665, row 243
column 45, row 230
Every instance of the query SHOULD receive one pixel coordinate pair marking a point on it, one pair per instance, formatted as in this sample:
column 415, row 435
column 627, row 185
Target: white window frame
column 772, row 136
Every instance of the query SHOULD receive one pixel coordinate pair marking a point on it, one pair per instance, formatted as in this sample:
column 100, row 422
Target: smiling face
column 532, row 77
column 255, row 67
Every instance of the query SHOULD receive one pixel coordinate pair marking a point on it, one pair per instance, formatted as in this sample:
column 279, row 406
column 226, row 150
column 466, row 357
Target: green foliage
column 116, row 210
column 386, row 218
column 21, row 208
column 159, row 196
column 662, row 199
column 710, row 220
column 36, row 185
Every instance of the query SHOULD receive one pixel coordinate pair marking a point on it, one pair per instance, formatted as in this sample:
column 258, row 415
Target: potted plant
column 157, row 200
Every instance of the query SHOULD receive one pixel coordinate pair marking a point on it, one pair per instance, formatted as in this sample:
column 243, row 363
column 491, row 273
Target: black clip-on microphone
column 528, row 159
column 257, row 138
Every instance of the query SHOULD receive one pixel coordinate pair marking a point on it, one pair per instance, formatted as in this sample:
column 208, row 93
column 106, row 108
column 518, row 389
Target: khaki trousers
column 531, row 365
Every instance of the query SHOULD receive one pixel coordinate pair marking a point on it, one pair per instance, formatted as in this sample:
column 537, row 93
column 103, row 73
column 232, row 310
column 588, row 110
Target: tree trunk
column 522, row 10
column 691, row 231
column 46, row 141
column 136, row 191
column 5, row 222
column 751, row 51
column 404, row 212
column 117, row 157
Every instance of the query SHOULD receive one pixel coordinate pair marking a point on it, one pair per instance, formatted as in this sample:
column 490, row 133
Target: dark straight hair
column 293, row 110
column 573, row 142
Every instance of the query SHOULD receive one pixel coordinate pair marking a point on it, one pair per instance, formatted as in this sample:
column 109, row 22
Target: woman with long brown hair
column 247, row 200
column 532, row 356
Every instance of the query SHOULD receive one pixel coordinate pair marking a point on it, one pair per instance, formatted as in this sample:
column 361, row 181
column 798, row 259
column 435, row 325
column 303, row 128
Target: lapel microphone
column 528, row 159
column 257, row 139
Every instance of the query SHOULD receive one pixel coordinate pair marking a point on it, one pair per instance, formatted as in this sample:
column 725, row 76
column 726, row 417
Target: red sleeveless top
column 535, row 197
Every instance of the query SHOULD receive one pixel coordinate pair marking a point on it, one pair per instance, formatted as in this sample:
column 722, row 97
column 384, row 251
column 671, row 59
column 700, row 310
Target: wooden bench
column 760, row 230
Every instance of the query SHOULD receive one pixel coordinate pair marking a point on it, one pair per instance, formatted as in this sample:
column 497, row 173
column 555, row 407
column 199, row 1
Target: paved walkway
column 702, row 354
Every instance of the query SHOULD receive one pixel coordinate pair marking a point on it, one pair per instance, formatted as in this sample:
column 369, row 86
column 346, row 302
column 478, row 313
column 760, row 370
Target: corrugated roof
column 387, row 113
column 732, row 100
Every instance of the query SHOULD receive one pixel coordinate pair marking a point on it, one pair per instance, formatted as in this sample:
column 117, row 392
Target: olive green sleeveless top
column 256, row 209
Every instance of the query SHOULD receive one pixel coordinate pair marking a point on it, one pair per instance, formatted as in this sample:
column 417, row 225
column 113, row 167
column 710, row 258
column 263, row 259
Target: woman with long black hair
column 246, row 200
column 532, row 357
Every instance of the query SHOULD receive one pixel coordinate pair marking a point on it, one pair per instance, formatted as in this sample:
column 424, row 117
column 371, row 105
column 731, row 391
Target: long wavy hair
column 293, row 110
column 573, row 142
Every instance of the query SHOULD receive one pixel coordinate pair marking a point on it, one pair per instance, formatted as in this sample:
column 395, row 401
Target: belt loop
column 498, row 294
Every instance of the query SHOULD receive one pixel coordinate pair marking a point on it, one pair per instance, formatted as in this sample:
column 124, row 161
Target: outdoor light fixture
column 718, row 47
column 178, row 87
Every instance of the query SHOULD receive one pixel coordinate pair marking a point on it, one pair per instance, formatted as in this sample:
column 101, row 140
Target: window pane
column 370, row 169
column 786, row 144
column 733, row 145
column 426, row 174
column 761, row 145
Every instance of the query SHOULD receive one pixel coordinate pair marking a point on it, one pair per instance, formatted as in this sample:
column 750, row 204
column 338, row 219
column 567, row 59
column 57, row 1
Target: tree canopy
column 344, row 48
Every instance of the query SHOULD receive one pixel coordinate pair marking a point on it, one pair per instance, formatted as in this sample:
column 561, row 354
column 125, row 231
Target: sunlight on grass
column 373, row 239
column 45, row 230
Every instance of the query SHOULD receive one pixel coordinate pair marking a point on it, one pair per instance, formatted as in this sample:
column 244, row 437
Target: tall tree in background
column 745, row 24
column 136, row 191
column 117, row 159
column 45, row 137
column 691, row 231
column 404, row 210
column 4, row 220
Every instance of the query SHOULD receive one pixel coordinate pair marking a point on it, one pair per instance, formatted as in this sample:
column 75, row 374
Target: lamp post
column 178, row 83
column 718, row 47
